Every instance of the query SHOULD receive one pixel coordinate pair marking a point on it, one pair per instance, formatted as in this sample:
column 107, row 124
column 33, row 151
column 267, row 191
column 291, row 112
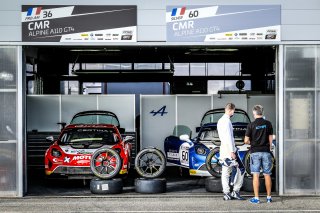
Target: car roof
column 222, row 109
column 84, row 126
column 90, row 112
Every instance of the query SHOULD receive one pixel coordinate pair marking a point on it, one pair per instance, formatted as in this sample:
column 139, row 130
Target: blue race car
column 182, row 151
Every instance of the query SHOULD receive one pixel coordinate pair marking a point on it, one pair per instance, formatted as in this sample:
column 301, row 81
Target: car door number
column 184, row 154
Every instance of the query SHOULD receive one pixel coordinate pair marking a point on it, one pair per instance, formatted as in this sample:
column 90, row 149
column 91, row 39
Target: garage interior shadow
column 50, row 68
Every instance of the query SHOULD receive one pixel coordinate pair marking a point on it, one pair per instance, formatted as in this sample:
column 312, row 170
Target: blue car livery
column 182, row 151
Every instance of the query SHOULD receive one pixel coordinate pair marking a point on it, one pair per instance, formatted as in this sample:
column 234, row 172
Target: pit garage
column 152, row 89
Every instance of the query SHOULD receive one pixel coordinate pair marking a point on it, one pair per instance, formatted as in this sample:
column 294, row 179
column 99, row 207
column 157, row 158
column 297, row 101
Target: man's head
column 257, row 111
column 229, row 109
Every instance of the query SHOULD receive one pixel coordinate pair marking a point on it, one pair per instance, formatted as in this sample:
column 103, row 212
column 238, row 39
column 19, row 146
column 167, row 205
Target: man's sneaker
column 254, row 200
column 227, row 196
column 236, row 195
column 269, row 200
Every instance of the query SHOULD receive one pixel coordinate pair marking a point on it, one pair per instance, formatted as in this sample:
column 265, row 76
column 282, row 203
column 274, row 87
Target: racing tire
column 248, row 185
column 247, row 164
column 214, row 169
column 111, row 186
column 105, row 163
column 213, row 184
column 150, row 163
column 150, row 186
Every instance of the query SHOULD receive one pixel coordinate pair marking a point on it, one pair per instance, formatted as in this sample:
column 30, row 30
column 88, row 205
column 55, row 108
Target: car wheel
column 111, row 186
column 105, row 163
column 247, row 165
column 150, row 163
column 151, row 186
column 213, row 184
column 212, row 163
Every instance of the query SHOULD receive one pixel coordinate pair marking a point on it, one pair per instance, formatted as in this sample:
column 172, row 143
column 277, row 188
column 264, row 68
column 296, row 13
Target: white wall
column 45, row 111
column 300, row 19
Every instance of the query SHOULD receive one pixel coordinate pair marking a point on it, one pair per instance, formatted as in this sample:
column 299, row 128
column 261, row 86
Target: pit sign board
column 236, row 23
column 80, row 23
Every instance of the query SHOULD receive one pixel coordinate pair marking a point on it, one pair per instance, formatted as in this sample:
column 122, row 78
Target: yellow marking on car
column 192, row 172
column 123, row 171
column 86, row 139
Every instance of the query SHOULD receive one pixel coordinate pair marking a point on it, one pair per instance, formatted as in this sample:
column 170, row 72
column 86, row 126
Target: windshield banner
column 79, row 23
column 223, row 23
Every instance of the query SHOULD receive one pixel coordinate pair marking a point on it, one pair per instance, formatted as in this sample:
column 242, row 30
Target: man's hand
column 233, row 156
column 246, row 140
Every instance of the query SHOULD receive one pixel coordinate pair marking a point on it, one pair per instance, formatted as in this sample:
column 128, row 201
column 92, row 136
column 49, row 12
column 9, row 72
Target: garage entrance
column 99, row 72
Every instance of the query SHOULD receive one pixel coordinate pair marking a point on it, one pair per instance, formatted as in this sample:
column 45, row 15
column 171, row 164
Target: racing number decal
column 184, row 154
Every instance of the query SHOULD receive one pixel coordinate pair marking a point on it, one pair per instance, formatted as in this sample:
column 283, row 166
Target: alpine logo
column 34, row 11
column 175, row 10
column 161, row 111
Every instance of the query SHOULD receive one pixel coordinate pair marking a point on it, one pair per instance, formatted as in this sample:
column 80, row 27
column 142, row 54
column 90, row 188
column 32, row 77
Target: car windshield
column 238, row 117
column 95, row 119
column 88, row 136
column 209, row 134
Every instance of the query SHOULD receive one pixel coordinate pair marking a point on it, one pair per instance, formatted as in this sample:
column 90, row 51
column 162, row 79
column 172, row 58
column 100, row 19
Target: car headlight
column 55, row 153
column 200, row 151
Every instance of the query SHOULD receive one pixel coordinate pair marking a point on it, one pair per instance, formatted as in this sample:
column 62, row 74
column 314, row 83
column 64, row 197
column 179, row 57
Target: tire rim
column 150, row 164
column 105, row 164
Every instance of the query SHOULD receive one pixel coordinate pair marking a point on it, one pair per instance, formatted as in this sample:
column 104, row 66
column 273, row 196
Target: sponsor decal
column 85, row 35
column 100, row 39
column 100, row 34
column 235, row 34
column 242, row 34
column 115, row 34
column 271, row 34
column 55, row 160
column 66, row 160
column 228, row 34
column 173, row 155
column 126, row 37
column 252, row 38
column 127, row 32
column 82, row 157
column 259, row 34
column 244, row 38
column 252, row 34
column 83, row 162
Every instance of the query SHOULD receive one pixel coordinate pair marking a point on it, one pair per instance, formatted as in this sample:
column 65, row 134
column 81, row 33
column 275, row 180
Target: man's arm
column 270, row 141
column 246, row 140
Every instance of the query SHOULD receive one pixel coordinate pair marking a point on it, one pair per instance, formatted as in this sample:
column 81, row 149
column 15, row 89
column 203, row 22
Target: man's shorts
column 261, row 160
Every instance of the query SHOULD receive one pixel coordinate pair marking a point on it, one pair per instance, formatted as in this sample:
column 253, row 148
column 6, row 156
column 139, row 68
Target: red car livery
column 71, row 154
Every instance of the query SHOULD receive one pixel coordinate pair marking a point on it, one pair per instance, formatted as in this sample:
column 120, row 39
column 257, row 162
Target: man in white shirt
column 228, row 155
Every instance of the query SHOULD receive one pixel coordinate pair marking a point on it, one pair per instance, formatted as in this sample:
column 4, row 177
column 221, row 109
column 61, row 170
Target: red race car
column 82, row 150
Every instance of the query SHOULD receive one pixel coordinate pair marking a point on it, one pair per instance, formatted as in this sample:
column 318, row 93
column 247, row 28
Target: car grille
column 73, row 170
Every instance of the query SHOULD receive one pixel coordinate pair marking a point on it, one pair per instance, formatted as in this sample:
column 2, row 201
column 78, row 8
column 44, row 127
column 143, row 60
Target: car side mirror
column 63, row 124
column 198, row 129
column 128, row 138
column 122, row 130
column 49, row 139
column 184, row 137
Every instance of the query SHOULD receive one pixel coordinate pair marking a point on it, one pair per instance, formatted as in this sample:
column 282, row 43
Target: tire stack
column 150, row 163
column 105, row 183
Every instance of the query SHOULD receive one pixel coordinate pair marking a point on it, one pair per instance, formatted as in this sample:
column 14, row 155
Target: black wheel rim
column 150, row 164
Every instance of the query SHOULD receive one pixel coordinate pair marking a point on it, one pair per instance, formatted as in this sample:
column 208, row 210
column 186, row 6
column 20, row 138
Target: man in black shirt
column 259, row 135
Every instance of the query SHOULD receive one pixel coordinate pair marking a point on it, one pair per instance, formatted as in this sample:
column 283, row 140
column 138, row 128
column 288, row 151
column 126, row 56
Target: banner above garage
column 79, row 23
column 236, row 23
